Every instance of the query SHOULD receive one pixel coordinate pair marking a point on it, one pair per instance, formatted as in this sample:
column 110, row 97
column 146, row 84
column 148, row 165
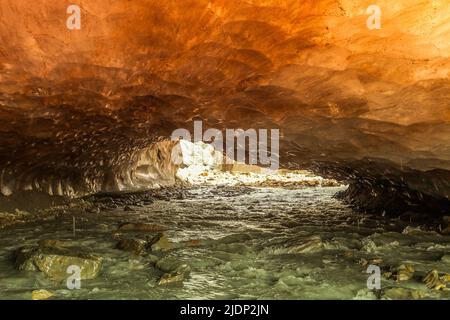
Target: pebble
column 41, row 294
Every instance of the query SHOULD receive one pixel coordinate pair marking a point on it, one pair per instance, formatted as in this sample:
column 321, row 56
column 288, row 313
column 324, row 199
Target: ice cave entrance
column 201, row 164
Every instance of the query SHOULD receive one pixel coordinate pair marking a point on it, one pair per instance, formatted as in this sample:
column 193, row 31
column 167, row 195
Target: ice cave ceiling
column 370, row 106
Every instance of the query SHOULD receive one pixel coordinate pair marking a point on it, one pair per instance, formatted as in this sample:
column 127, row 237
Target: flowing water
column 256, row 243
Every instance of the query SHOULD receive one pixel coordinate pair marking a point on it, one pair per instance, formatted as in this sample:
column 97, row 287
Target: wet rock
column 53, row 262
column 161, row 243
column 52, row 243
column 137, row 246
column 403, row 294
column 313, row 244
column 411, row 230
column 417, row 231
column 403, row 273
column 141, row 227
column 329, row 183
column 103, row 226
column 434, row 281
column 170, row 278
column 369, row 245
column 348, row 254
column 41, row 295
column 174, row 271
column 374, row 261
column 368, row 222
column 93, row 210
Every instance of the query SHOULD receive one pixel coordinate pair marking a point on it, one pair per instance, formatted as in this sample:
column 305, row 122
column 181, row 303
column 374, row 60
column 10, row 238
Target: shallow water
column 251, row 249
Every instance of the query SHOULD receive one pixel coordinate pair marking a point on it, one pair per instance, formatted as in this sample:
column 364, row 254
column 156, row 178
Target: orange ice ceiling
column 136, row 70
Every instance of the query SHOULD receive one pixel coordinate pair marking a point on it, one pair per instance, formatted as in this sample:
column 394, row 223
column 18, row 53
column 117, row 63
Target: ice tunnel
column 80, row 107
column 104, row 109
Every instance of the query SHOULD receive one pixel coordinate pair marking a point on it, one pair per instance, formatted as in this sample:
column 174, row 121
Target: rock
column 161, row 243
column 363, row 262
column 417, row 231
column 127, row 208
column 170, row 278
column 329, row 183
column 403, row 294
column 369, row 245
column 137, row 246
column 41, row 295
column 52, row 243
column 411, row 230
column 174, row 271
column 368, row 223
column 446, row 231
column 348, row 254
column 403, row 273
column 103, row 226
column 376, row 261
column 53, row 262
column 313, row 244
column 434, row 281
column 445, row 258
column 142, row 227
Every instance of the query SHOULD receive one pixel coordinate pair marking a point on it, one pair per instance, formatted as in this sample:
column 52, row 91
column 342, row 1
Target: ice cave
column 224, row 149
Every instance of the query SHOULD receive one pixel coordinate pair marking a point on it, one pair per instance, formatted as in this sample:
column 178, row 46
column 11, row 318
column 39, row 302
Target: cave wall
column 77, row 105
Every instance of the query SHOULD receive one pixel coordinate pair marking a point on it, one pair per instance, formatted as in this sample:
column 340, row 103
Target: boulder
column 161, row 243
column 436, row 281
column 137, row 246
column 403, row 273
column 53, row 262
column 174, row 270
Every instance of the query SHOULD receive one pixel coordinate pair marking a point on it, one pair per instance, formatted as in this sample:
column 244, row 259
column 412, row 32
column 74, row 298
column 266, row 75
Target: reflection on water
column 250, row 243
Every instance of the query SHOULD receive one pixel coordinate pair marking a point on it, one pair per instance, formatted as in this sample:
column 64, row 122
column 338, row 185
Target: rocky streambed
column 228, row 242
